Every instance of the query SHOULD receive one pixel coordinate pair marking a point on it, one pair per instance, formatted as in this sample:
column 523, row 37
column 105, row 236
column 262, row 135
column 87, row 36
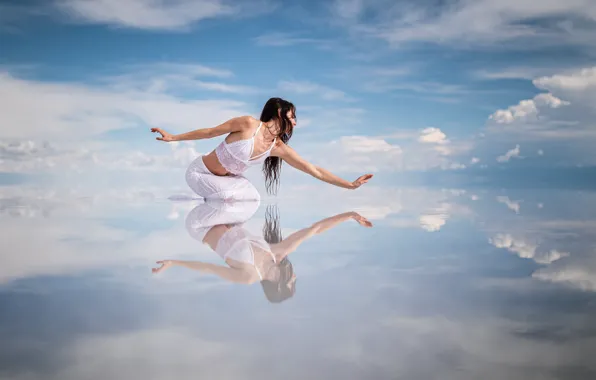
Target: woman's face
column 292, row 117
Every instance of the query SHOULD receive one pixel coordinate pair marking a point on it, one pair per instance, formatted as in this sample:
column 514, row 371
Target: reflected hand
column 165, row 136
column 165, row 264
column 361, row 180
column 361, row 220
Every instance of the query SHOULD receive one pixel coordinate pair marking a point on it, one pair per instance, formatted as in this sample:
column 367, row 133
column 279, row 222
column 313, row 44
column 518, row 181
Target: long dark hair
column 278, row 291
column 276, row 108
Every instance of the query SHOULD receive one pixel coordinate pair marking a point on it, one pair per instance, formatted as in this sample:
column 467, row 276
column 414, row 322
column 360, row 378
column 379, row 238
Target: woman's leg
column 212, row 213
column 214, row 187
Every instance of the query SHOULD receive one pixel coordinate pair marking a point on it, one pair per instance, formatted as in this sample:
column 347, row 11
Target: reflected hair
column 276, row 109
column 277, row 291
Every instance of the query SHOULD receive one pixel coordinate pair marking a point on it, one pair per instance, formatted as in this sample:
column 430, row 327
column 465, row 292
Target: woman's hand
column 165, row 136
column 361, row 180
column 361, row 220
column 165, row 264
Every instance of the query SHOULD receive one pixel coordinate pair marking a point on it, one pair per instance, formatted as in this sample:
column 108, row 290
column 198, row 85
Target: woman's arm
column 236, row 124
column 293, row 159
column 226, row 273
column 289, row 244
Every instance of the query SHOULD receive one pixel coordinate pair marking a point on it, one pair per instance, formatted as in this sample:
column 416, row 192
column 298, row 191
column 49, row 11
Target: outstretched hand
column 361, row 220
column 165, row 264
column 165, row 136
column 361, row 180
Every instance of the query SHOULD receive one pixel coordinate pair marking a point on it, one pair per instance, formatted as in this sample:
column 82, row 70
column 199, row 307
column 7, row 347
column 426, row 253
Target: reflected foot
column 165, row 264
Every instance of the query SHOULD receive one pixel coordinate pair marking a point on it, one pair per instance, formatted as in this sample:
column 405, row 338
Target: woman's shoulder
column 247, row 122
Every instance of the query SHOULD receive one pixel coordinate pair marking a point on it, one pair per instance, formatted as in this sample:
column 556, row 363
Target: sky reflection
column 448, row 284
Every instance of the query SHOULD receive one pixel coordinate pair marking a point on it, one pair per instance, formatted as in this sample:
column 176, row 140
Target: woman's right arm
column 236, row 124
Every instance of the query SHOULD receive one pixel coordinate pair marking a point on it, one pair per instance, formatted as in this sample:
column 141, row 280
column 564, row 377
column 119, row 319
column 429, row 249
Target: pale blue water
column 447, row 284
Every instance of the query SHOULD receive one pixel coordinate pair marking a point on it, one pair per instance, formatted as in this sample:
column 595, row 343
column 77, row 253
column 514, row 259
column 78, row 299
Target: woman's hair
column 277, row 291
column 276, row 108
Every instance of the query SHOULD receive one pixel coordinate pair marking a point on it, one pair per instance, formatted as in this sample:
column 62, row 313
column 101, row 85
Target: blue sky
column 380, row 86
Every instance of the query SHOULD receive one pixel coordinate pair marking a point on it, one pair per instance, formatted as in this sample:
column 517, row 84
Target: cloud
column 433, row 136
column 381, row 85
column 578, row 81
column 515, row 206
column 434, row 219
column 280, row 39
column 527, row 110
column 146, row 14
column 28, row 155
column 43, row 157
column 461, row 24
column 364, row 144
column 417, row 150
column 348, row 9
column 310, row 88
column 45, row 110
column 362, row 153
column 579, row 273
column 510, row 154
column 560, row 120
column 526, row 250
column 520, row 72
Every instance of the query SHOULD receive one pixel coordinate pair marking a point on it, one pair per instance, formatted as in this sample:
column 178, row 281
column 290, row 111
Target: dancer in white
column 250, row 258
column 249, row 142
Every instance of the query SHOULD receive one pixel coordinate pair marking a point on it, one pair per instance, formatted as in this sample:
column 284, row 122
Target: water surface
column 447, row 284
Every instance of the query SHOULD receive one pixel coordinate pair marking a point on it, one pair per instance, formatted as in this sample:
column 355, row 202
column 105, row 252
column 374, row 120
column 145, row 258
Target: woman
column 250, row 258
column 219, row 174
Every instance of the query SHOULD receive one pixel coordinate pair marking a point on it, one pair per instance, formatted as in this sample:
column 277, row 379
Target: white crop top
column 236, row 157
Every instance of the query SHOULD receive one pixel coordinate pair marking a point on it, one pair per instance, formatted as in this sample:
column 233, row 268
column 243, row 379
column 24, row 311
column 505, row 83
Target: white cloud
column 474, row 160
column 482, row 23
column 382, row 85
column 433, row 136
column 514, row 206
column 310, row 88
column 27, row 156
column 372, row 153
column 434, row 219
column 560, row 120
column 576, row 81
column 348, row 9
column 527, row 73
column 56, row 111
column 527, row 110
column 364, row 144
column 578, row 273
column 510, row 154
column 540, row 152
column 286, row 39
column 417, row 150
column 146, row 14
column 526, row 250
column 362, row 153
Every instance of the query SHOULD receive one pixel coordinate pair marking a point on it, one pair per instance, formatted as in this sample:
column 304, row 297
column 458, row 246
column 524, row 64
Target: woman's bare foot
column 165, row 264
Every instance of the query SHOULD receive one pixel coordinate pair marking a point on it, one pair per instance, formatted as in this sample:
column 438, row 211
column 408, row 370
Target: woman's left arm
column 289, row 155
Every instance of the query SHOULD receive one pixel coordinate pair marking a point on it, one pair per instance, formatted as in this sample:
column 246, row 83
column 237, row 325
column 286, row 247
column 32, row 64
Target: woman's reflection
column 251, row 258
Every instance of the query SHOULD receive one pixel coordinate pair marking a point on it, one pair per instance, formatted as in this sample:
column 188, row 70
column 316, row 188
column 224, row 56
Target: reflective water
column 446, row 284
